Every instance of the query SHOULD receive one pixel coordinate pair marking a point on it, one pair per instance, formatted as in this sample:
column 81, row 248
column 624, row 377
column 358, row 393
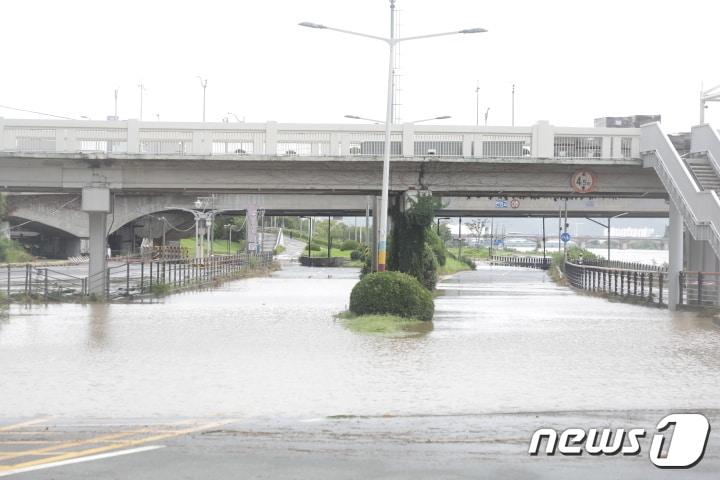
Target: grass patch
column 336, row 252
column 219, row 246
column 13, row 252
column 452, row 266
column 388, row 324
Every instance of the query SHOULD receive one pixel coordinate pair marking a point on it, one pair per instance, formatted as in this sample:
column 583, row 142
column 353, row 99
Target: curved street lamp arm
column 469, row 30
column 349, row 32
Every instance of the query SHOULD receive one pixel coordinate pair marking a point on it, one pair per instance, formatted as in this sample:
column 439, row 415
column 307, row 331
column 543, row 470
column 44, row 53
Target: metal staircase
column 691, row 182
column 703, row 170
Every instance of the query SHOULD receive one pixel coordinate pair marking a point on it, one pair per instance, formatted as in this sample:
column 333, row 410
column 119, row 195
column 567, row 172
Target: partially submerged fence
column 131, row 278
column 649, row 286
column 700, row 289
column 542, row 263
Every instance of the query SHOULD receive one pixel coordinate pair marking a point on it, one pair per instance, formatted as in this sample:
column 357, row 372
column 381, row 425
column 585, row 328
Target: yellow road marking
column 75, row 443
column 115, row 446
column 6, row 428
column 27, row 442
column 10, row 452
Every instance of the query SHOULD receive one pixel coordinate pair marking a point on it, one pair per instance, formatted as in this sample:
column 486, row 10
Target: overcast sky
column 571, row 60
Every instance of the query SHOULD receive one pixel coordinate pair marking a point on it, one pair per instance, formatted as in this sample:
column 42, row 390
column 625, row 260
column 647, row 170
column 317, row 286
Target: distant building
column 634, row 121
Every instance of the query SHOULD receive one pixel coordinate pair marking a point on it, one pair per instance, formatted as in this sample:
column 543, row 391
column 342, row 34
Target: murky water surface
column 504, row 340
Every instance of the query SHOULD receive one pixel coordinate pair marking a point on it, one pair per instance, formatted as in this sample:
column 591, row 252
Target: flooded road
column 503, row 341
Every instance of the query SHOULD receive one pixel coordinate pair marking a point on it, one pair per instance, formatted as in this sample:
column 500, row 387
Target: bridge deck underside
column 490, row 177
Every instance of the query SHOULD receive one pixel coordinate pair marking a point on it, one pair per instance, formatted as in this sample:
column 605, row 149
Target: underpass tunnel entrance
column 44, row 241
column 151, row 230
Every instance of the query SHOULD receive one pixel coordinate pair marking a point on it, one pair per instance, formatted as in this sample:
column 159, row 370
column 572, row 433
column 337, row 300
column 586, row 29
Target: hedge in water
column 392, row 293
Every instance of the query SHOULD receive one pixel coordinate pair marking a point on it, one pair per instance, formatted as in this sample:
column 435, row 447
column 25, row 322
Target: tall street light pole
column 608, row 229
column 203, row 84
column 477, row 105
column 391, row 42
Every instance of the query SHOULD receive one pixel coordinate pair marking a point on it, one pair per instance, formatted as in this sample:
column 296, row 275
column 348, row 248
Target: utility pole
column 142, row 88
column 203, row 84
column 116, row 97
column 477, row 105
column 486, row 115
column 513, row 105
column 459, row 238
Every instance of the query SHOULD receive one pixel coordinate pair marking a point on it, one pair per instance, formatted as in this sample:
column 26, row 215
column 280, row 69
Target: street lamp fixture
column 608, row 228
column 355, row 117
column 391, row 41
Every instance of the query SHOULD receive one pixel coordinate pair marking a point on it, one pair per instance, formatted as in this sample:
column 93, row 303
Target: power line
column 36, row 113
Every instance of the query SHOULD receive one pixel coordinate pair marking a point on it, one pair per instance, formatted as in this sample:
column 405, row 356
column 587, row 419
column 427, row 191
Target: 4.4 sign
column 583, row 181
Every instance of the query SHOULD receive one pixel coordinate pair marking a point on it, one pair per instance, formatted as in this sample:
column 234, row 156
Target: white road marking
column 89, row 458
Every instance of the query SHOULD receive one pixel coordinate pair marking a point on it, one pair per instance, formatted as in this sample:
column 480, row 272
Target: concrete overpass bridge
column 532, row 169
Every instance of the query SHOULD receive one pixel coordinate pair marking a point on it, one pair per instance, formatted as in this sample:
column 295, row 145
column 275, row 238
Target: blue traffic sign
column 565, row 237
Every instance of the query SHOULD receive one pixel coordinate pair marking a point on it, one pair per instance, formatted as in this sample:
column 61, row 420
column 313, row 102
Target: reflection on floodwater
column 503, row 340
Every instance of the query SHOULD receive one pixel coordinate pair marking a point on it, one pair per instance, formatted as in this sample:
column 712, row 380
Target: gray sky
column 571, row 60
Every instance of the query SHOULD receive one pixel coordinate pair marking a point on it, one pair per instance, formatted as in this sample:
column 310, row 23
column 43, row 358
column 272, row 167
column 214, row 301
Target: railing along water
column 542, row 263
column 646, row 285
column 21, row 283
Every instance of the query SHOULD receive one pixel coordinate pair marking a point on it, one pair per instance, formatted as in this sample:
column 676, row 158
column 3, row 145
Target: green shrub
column 13, row 252
column 392, row 293
column 278, row 250
column 356, row 255
column 437, row 245
column 349, row 245
column 468, row 261
column 313, row 247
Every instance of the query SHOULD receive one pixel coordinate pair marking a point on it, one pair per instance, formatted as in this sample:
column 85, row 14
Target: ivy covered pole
column 391, row 41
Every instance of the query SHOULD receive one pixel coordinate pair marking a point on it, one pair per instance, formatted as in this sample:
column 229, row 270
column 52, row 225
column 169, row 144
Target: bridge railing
column 646, row 286
column 541, row 140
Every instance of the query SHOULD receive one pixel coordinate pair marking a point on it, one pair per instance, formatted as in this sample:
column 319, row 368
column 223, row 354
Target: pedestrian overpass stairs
column 692, row 182
column 703, row 170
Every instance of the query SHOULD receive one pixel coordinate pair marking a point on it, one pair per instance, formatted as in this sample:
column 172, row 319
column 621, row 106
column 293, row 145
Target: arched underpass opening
column 44, row 241
column 150, row 230
column 175, row 228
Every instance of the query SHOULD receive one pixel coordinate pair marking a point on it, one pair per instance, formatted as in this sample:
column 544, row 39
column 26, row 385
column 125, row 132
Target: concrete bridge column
column 675, row 240
column 96, row 202
column 251, row 228
column 98, row 252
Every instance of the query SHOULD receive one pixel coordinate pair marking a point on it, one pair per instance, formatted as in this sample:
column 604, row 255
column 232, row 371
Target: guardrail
column 542, row 263
column 700, row 289
column 616, row 264
column 541, row 140
column 132, row 278
column 648, row 286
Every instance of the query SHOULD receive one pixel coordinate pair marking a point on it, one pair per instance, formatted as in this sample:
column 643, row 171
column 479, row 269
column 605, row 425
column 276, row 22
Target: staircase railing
column 705, row 139
column 700, row 209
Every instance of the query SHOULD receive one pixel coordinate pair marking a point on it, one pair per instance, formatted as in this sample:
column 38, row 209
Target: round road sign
column 583, row 181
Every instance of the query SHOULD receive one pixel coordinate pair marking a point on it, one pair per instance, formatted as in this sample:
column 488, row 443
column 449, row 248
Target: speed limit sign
column 583, row 181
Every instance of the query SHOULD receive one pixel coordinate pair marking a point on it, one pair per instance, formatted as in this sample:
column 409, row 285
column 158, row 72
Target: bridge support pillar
column 96, row 202
column 675, row 264
column 98, row 252
column 251, row 228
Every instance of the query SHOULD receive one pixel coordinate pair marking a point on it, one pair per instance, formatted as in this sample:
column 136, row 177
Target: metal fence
column 132, row 278
column 700, row 289
column 616, row 264
column 649, row 286
column 542, row 263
